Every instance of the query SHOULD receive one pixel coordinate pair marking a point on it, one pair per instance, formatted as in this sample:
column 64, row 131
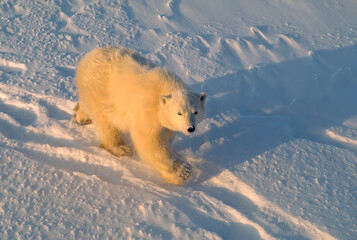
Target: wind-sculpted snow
column 275, row 157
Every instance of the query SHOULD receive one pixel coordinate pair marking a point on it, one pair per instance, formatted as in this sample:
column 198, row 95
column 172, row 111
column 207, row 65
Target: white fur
column 122, row 92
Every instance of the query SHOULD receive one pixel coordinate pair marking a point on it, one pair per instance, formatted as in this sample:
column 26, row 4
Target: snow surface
column 275, row 157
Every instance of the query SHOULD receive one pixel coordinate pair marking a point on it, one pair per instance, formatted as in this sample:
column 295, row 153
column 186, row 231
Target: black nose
column 191, row 129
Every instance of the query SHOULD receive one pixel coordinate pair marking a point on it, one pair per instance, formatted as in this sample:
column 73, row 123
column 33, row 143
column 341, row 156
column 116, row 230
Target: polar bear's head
column 181, row 111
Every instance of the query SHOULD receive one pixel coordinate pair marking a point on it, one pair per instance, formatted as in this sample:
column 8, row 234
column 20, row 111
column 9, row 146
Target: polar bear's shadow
column 265, row 108
column 232, row 142
column 238, row 141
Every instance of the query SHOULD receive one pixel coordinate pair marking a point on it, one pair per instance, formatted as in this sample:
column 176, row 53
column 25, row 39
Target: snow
column 275, row 157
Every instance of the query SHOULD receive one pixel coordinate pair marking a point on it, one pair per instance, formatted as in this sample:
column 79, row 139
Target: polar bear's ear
column 202, row 96
column 164, row 98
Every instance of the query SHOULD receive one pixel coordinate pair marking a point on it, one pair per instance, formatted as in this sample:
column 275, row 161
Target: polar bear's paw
column 80, row 117
column 81, row 121
column 119, row 151
column 180, row 174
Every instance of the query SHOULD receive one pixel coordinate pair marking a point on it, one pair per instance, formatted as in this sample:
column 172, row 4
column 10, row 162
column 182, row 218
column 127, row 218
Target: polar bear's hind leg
column 111, row 138
column 80, row 116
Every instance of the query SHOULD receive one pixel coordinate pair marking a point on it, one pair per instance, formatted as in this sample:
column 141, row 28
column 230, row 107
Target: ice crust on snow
column 275, row 157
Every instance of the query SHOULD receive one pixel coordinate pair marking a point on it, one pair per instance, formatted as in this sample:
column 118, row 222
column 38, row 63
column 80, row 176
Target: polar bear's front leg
column 110, row 138
column 152, row 150
column 180, row 175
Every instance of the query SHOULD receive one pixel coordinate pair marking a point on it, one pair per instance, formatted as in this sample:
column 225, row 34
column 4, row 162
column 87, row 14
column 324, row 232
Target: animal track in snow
column 23, row 116
column 27, row 110
column 52, row 111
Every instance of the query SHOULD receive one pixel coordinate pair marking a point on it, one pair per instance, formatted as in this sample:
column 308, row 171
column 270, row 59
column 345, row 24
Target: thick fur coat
column 123, row 93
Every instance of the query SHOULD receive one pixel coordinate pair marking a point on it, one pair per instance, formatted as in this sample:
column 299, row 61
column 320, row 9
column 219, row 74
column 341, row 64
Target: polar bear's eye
column 196, row 113
column 179, row 113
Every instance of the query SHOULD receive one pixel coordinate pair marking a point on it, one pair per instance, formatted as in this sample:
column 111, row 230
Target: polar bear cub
column 123, row 93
